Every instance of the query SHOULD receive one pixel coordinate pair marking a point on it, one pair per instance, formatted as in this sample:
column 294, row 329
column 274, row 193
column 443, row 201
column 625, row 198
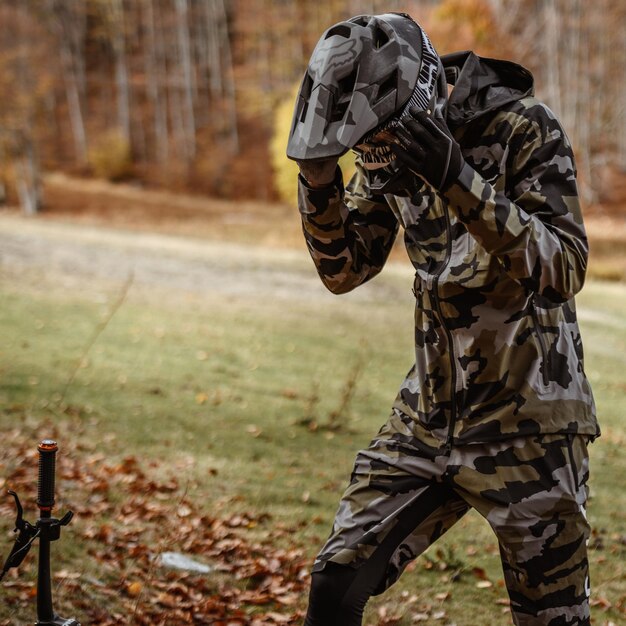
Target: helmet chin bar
column 378, row 153
column 391, row 177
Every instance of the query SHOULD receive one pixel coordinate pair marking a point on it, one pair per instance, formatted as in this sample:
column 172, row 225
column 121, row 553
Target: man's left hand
column 427, row 148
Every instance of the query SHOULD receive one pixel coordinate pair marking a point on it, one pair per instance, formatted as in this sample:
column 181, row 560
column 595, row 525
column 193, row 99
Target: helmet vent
column 346, row 84
column 341, row 30
column 361, row 20
column 380, row 38
column 305, row 108
column 387, row 86
column 339, row 111
column 307, row 84
column 305, row 94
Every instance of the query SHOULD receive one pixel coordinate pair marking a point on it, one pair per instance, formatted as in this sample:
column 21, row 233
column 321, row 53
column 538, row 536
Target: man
column 496, row 413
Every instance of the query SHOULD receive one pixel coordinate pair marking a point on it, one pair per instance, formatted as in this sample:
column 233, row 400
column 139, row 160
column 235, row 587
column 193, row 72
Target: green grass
column 220, row 388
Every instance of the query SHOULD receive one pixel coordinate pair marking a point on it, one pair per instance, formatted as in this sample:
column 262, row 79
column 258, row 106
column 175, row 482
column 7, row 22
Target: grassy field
column 240, row 399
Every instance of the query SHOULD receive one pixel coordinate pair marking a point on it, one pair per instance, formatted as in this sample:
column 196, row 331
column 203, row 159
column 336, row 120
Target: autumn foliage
column 190, row 89
column 125, row 519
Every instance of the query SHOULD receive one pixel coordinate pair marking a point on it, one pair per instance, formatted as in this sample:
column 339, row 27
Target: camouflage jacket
column 498, row 258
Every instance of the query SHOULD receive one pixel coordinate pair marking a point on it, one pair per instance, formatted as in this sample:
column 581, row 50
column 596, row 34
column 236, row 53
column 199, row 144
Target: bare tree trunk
column 27, row 174
column 264, row 59
column 171, row 66
column 75, row 109
column 162, row 77
column 118, row 42
column 184, row 51
column 205, row 48
column 583, row 136
column 26, row 163
column 178, row 124
column 213, row 20
column 551, row 21
column 70, row 33
column 3, row 168
column 152, row 56
column 617, row 79
column 197, row 42
column 570, row 93
column 227, row 59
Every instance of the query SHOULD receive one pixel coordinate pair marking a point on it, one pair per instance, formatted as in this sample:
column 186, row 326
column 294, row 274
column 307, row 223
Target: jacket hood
column 482, row 85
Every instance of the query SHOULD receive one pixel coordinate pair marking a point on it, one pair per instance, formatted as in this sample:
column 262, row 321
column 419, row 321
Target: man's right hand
column 318, row 173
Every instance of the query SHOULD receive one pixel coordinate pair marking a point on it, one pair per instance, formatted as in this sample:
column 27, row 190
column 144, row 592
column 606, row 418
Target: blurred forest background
column 185, row 94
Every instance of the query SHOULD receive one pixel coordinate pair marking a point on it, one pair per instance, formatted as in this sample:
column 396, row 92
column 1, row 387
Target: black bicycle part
column 47, row 461
column 47, row 529
column 26, row 535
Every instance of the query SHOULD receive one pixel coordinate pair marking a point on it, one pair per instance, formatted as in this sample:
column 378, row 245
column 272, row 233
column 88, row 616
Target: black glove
column 428, row 149
column 319, row 173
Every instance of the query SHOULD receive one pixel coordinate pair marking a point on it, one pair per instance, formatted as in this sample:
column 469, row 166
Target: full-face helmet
column 363, row 76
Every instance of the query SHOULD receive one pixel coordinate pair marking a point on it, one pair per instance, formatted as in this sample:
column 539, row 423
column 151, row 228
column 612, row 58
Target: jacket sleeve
column 349, row 233
column 535, row 229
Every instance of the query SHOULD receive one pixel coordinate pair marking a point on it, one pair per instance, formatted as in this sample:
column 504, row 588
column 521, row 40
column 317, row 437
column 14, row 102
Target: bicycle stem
column 47, row 529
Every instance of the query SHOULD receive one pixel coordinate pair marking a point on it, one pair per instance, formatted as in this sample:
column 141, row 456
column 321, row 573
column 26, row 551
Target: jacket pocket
column 541, row 340
column 572, row 461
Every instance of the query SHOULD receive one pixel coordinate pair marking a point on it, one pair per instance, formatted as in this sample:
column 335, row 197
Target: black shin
column 334, row 597
column 339, row 593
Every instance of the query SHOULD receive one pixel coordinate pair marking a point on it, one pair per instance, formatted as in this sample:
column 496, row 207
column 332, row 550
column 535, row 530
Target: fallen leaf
column 183, row 511
column 134, row 589
column 602, row 602
column 128, row 511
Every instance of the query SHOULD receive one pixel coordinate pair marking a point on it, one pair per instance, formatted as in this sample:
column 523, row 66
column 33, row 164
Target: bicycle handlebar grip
column 45, row 487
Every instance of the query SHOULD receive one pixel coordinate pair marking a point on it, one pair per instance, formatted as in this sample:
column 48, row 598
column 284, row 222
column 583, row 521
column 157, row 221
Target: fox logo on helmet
column 333, row 55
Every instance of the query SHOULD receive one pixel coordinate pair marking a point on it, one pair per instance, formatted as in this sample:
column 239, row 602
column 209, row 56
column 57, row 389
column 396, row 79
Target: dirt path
column 46, row 253
column 79, row 255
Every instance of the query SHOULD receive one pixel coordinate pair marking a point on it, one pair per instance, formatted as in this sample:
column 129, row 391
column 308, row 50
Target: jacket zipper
column 435, row 292
column 542, row 345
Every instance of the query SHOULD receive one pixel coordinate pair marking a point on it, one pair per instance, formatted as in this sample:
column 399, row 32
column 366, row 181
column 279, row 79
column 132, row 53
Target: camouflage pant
column 405, row 492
